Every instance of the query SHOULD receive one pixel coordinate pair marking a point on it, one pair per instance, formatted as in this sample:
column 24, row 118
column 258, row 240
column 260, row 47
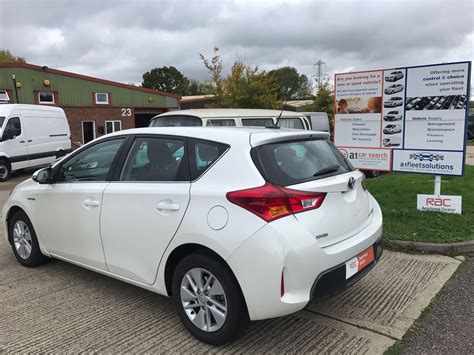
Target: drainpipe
column 16, row 89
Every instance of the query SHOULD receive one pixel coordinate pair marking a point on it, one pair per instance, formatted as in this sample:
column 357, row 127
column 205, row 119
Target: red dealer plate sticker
column 359, row 262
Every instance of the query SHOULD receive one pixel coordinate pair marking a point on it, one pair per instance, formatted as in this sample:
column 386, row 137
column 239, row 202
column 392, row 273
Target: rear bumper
column 286, row 246
column 334, row 280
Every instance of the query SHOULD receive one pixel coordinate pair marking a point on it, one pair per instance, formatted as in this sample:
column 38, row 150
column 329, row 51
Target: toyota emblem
column 351, row 183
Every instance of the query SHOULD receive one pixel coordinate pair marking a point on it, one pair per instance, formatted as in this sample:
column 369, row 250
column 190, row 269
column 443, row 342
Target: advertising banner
column 416, row 115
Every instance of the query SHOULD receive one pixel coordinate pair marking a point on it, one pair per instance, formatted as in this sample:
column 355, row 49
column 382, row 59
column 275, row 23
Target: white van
column 232, row 117
column 31, row 136
column 319, row 120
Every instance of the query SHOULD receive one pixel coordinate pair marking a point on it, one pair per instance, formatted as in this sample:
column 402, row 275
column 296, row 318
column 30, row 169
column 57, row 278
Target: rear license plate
column 359, row 262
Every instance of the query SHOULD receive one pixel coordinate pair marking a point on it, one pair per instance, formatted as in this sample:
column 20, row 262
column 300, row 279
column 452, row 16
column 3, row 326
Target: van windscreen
column 294, row 162
column 176, row 121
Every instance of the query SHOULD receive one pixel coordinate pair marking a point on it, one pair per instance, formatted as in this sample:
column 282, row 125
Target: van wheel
column 209, row 300
column 5, row 170
column 24, row 242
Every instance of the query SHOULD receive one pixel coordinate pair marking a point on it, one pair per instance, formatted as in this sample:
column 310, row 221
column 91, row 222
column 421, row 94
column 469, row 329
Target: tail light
column 270, row 202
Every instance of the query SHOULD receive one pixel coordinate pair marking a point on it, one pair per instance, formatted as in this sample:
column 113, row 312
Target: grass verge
column 396, row 194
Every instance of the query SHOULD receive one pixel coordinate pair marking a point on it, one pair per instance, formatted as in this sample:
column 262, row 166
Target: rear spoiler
column 274, row 136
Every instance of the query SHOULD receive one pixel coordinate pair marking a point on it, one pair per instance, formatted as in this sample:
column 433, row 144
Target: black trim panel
column 26, row 157
column 58, row 135
column 334, row 280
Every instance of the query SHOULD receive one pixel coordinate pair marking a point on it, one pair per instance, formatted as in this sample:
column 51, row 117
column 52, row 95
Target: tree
column 6, row 56
column 244, row 87
column 291, row 84
column 196, row 88
column 166, row 79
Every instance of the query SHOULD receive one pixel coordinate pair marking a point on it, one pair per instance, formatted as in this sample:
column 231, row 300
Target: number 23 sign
column 126, row 112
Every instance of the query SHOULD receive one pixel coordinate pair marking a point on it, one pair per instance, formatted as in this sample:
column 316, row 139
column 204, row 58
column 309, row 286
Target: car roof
column 229, row 135
column 232, row 113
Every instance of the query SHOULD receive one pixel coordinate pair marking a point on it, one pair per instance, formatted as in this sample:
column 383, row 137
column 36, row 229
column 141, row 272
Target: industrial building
column 93, row 106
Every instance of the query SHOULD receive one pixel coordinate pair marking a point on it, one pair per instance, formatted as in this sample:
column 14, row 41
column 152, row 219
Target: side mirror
column 43, row 176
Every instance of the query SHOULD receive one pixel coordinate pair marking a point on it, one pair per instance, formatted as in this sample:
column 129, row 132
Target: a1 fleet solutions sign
column 410, row 119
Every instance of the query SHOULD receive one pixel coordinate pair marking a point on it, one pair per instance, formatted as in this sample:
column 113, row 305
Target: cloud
column 120, row 40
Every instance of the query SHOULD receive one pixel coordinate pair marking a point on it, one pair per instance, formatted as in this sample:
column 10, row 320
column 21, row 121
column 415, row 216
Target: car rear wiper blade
column 327, row 170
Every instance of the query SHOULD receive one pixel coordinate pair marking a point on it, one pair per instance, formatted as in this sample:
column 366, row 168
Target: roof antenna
column 275, row 126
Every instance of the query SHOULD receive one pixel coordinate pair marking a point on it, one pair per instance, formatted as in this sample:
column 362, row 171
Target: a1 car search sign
column 410, row 119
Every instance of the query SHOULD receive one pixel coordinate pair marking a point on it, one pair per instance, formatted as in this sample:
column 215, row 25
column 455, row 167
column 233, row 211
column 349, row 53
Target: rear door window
column 203, row 155
column 294, row 162
column 156, row 159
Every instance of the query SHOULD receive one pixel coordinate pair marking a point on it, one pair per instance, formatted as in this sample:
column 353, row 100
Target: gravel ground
column 448, row 327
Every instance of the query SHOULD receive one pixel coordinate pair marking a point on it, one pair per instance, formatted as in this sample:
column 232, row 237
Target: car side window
column 91, row 164
column 12, row 129
column 156, row 159
column 204, row 154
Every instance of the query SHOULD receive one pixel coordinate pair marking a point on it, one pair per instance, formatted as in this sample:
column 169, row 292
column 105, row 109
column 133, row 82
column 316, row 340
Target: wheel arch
column 9, row 215
column 182, row 251
column 7, row 160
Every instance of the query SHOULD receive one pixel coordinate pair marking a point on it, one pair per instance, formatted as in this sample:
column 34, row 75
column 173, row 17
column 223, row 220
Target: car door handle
column 166, row 206
column 22, row 141
column 30, row 140
column 91, row 203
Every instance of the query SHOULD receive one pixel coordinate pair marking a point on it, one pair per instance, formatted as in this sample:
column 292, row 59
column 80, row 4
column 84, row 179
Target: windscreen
column 176, row 121
column 295, row 162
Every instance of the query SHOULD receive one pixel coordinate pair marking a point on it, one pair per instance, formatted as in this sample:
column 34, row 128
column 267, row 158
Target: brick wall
column 76, row 115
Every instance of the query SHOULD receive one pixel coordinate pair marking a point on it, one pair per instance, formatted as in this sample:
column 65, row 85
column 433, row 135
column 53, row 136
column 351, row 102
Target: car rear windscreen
column 176, row 121
column 294, row 162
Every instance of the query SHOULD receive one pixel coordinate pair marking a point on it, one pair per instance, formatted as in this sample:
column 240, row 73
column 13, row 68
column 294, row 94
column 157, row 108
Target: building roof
column 83, row 77
column 299, row 103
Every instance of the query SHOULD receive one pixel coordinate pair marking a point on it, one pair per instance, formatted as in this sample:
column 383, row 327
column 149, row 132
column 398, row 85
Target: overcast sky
column 120, row 40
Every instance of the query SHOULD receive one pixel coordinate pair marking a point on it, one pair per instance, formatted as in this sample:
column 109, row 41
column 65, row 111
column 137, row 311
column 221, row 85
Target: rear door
column 317, row 166
column 144, row 205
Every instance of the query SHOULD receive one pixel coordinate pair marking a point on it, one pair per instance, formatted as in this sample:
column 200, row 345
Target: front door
column 15, row 143
column 88, row 131
column 142, row 210
column 68, row 212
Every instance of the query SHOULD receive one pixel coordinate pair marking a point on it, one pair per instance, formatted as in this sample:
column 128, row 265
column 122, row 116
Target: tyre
column 24, row 242
column 209, row 300
column 371, row 174
column 5, row 170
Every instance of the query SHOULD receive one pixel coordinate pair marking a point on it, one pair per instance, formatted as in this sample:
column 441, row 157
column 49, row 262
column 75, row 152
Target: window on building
column 46, row 97
column 4, row 96
column 112, row 126
column 102, row 98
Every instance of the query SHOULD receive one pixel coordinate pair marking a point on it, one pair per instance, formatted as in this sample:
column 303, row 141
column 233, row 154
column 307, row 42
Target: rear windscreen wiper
column 327, row 170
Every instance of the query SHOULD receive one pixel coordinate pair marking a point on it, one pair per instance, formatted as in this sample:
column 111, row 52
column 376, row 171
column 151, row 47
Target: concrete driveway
column 60, row 308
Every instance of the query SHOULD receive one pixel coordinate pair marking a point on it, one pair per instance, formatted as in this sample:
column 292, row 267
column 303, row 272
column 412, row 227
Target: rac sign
column 438, row 202
column 435, row 203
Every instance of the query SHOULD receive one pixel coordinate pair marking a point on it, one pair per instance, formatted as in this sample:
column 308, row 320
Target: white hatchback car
column 235, row 224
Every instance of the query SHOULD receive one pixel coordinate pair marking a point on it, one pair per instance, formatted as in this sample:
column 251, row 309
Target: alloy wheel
column 203, row 299
column 22, row 239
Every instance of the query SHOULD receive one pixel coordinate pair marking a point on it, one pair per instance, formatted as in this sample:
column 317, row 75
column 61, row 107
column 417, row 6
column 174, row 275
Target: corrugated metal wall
column 78, row 92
